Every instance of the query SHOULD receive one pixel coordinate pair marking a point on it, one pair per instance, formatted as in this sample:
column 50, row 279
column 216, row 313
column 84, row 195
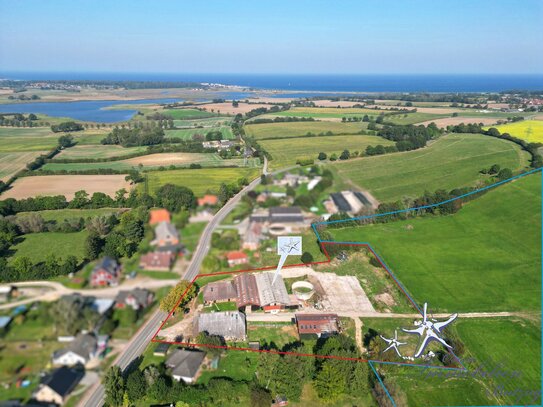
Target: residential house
column 228, row 324
column 106, row 272
column 236, row 258
column 57, row 386
column 209, row 200
column 159, row 215
column 254, row 234
column 138, row 298
column 185, row 364
column 157, row 260
column 317, row 324
column 79, row 352
column 166, row 235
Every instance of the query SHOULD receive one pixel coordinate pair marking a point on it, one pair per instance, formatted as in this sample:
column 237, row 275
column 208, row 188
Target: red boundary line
column 322, row 245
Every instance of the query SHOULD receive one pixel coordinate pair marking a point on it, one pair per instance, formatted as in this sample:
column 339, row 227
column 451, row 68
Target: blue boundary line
column 370, row 362
column 382, row 384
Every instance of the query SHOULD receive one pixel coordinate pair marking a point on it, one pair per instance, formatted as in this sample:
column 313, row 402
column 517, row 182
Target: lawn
column 286, row 152
column 278, row 334
column 37, row 246
column 529, row 130
column 200, row 180
column 450, row 162
column 190, row 235
column 62, row 214
column 187, row 114
column 98, row 151
column 186, row 134
column 237, row 365
column 486, row 257
column 295, row 129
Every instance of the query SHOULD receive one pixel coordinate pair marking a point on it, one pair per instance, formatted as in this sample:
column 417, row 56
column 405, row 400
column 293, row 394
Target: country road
column 136, row 346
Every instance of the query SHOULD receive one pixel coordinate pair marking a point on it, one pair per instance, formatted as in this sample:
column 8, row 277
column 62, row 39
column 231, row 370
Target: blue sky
column 297, row 36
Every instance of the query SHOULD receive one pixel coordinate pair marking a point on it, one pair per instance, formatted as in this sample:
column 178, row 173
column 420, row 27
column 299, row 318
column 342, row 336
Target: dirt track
column 67, row 185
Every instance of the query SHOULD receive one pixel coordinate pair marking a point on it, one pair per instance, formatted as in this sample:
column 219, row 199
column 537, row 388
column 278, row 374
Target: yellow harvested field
column 452, row 121
column 67, row 185
column 10, row 163
column 227, row 108
column 168, row 159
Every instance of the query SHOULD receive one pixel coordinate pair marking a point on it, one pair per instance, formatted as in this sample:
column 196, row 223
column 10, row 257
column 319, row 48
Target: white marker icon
column 287, row 245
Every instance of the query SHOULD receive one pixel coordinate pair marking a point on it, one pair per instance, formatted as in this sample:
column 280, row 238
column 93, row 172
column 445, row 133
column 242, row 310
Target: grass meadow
column 450, row 162
column 286, row 152
column 62, row 214
column 413, row 118
column 295, row 129
column 98, row 151
column 187, row 114
column 486, row 257
column 329, row 112
column 37, row 246
column 10, row 163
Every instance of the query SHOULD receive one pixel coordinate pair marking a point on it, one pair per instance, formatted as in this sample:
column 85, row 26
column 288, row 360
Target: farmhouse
column 79, row 352
column 138, row 298
column 317, row 324
column 157, row 260
column 220, row 291
column 210, row 200
column 57, row 386
column 185, row 364
column 236, row 258
column 166, row 235
column 158, row 215
column 292, row 180
column 106, row 272
column 228, row 324
column 280, row 219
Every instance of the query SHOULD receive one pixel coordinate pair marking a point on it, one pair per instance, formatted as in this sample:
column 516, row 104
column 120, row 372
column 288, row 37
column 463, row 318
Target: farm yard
column 67, row 185
column 296, row 129
column 529, row 130
column 286, row 152
column 483, row 258
column 452, row 161
column 200, row 180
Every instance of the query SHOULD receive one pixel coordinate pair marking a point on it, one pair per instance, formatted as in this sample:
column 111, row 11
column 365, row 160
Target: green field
column 205, row 122
column 505, row 352
column 186, row 134
column 486, row 257
column 295, row 129
column 98, row 151
column 413, row 118
column 187, row 114
column 450, row 162
column 13, row 139
column 62, row 214
column 286, row 152
column 37, row 246
column 329, row 112
column 529, row 130
column 10, row 163
column 200, row 180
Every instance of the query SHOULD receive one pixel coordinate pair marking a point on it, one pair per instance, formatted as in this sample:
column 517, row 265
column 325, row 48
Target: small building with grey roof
column 185, row 364
column 228, row 324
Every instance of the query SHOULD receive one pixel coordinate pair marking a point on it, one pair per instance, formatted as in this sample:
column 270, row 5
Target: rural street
column 95, row 396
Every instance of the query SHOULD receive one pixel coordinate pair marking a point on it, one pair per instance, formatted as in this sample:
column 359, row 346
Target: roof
column 161, row 259
column 83, row 345
column 253, row 234
column 162, row 348
column 341, row 202
column 164, row 230
column 208, row 200
column 108, row 264
column 158, row 215
column 247, row 290
column 63, row 380
column 4, row 321
column 220, row 291
column 185, row 363
column 228, row 324
column 139, row 294
column 269, row 293
column 6, row 289
column 236, row 255
column 317, row 323
column 286, row 214
column 101, row 305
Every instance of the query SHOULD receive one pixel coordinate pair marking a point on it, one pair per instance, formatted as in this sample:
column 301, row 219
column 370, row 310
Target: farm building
column 158, row 260
column 272, row 296
column 349, row 202
column 161, row 349
column 138, row 298
column 247, row 290
column 236, row 258
column 157, row 216
column 210, row 200
column 317, row 324
column 228, row 324
column 57, row 386
column 220, row 291
column 79, row 352
column 106, row 272
column 166, row 235
column 280, row 219
column 253, row 235
column 185, row 364
column 292, row 180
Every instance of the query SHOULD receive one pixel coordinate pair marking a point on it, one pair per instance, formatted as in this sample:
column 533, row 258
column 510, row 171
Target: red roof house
column 235, row 258
column 158, row 215
column 210, row 200
column 317, row 324
column 106, row 272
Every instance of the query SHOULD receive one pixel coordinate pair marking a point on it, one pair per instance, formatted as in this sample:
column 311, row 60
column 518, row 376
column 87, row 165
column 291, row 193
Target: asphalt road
column 138, row 343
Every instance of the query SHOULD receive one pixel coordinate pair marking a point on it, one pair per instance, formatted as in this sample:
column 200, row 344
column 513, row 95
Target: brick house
column 236, row 258
column 106, row 272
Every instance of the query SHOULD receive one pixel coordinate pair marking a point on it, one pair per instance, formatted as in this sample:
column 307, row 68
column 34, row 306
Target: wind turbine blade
column 397, row 351
column 422, row 346
column 419, row 330
column 437, row 338
column 385, row 339
column 424, row 315
column 439, row 325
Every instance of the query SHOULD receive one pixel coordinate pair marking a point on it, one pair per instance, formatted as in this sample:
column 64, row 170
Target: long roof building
column 228, row 324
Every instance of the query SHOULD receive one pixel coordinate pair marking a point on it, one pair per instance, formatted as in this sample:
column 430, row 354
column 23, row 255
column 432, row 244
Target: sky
column 280, row 36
